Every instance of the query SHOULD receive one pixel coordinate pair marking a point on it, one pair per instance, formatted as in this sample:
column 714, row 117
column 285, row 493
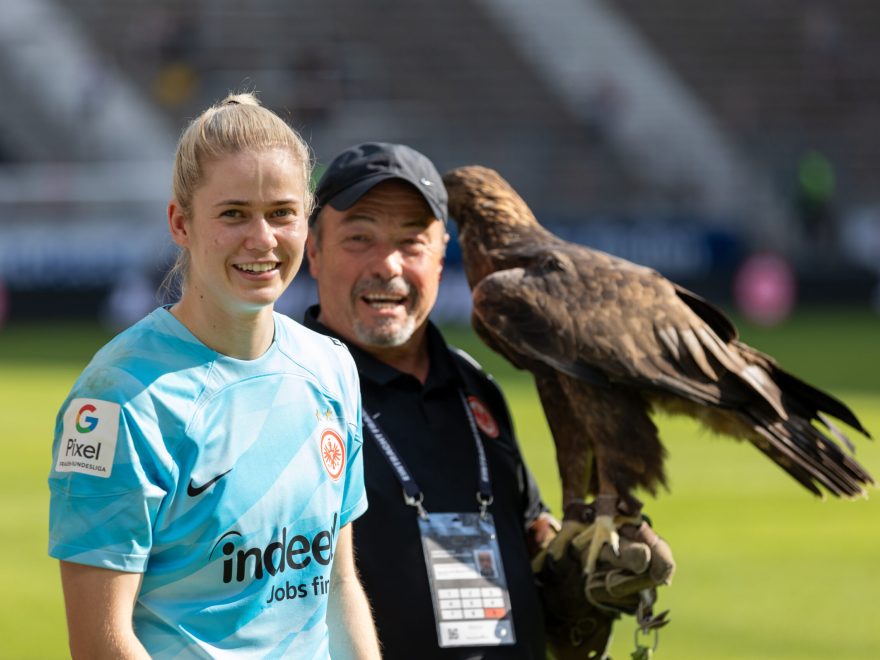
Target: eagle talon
column 602, row 531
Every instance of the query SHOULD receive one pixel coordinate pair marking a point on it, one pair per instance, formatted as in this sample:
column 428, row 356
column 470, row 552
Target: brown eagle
column 608, row 341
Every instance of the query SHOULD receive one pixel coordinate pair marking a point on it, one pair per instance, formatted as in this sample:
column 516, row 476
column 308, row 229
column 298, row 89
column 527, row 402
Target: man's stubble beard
column 387, row 333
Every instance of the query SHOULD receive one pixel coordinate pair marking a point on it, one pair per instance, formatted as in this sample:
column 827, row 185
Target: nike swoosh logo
column 193, row 491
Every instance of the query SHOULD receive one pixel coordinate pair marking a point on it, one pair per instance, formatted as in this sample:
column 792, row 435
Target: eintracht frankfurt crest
column 483, row 417
column 332, row 453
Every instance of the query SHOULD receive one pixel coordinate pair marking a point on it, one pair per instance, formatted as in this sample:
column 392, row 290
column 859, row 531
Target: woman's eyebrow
column 244, row 202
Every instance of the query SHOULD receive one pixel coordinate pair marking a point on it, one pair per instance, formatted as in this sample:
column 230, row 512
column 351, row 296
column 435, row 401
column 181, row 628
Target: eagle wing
column 607, row 322
column 604, row 320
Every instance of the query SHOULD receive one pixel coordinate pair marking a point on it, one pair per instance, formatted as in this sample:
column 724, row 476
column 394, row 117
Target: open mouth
column 259, row 267
column 383, row 300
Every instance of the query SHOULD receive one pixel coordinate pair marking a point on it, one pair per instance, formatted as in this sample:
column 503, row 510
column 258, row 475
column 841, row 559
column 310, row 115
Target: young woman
column 207, row 462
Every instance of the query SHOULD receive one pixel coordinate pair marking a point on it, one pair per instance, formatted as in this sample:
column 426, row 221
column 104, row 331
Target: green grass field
column 764, row 569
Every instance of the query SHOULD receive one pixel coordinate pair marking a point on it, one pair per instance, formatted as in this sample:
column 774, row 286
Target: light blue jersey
column 224, row 481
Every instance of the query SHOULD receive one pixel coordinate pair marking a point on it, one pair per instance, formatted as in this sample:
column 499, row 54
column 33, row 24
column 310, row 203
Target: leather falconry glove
column 580, row 608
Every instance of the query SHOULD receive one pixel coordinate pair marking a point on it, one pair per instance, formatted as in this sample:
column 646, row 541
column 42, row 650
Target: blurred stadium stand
column 680, row 134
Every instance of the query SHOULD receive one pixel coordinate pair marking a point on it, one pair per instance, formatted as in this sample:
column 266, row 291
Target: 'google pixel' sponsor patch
column 88, row 441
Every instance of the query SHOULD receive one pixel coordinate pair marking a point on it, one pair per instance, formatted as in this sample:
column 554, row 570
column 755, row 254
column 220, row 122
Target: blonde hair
column 235, row 124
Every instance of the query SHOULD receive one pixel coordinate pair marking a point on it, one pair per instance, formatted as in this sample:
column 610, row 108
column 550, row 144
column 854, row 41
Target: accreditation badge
column 468, row 587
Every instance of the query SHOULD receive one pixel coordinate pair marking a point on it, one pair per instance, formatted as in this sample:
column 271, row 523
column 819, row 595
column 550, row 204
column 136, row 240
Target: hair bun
column 242, row 98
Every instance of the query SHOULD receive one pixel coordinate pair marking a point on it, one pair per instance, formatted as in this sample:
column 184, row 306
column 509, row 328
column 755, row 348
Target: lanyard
column 412, row 494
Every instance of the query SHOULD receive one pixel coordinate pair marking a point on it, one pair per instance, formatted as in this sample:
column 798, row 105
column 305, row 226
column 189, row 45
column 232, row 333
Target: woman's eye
column 283, row 213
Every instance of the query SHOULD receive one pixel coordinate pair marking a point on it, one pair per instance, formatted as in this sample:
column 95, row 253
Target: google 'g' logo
column 86, row 424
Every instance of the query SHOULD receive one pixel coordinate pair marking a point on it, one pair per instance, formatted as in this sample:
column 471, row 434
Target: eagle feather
column 608, row 341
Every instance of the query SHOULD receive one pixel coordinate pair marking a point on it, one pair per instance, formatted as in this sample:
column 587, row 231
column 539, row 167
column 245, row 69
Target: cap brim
column 349, row 197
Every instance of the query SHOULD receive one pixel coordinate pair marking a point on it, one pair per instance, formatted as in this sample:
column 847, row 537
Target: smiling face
column 378, row 266
column 245, row 233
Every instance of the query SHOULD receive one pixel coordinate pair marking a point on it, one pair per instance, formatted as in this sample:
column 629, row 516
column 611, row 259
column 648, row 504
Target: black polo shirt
column 429, row 429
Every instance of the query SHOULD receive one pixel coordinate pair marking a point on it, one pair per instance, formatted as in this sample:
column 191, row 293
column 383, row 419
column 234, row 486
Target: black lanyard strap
column 484, row 492
column 412, row 494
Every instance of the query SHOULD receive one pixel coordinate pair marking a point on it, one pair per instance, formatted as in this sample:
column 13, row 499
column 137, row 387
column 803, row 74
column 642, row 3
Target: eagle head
column 481, row 200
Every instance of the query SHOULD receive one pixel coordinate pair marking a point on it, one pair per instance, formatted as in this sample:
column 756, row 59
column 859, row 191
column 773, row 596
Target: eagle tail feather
column 841, row 437
column 781, row 456
column 817, row 400
column 808, row 455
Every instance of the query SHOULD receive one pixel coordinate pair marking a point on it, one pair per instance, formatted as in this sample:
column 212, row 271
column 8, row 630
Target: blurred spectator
column 824, row 57
column 860, row 240
column 318, row 85
column 814, row 200
column 177, row 79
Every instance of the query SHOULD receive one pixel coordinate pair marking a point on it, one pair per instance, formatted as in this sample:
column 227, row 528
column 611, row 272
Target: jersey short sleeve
column 354, row 500
column 103, row 499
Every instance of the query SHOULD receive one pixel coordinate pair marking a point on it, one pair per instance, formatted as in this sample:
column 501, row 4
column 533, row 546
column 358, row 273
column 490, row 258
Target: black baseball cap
column 357, row 169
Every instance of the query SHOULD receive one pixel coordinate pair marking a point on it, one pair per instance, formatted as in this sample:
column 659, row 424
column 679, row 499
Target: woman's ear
column 177, row 224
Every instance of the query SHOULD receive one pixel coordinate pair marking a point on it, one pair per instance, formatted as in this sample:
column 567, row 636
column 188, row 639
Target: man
column 444, row 549
column 376, row 250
